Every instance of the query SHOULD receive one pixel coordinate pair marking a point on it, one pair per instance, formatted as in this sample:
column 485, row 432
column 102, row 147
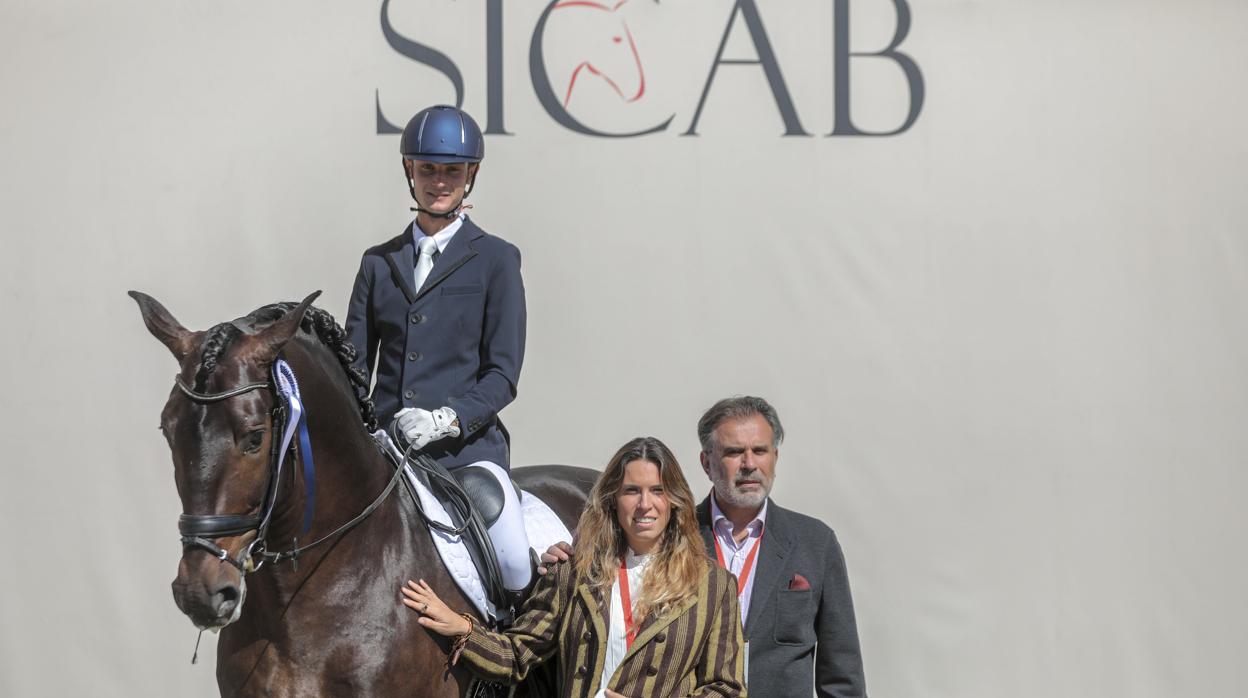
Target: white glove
column 422, row 426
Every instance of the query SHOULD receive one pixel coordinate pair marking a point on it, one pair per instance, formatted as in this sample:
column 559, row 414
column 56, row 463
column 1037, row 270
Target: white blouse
column 617, row 640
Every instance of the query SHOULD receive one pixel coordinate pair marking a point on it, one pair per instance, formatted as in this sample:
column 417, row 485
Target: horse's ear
column 164, row 327
column 269, row 341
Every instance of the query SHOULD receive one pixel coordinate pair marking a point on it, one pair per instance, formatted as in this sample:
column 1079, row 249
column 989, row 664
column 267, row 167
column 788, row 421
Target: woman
column 639, row 611
column 440, row 310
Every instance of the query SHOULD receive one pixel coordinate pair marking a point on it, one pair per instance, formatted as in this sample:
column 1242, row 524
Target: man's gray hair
column 738, row 407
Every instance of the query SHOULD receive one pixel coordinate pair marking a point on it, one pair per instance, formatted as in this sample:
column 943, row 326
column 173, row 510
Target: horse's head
column 220, row 425
column 606, row 49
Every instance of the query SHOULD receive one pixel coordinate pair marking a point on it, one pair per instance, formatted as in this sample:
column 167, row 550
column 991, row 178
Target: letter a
column 766, row 58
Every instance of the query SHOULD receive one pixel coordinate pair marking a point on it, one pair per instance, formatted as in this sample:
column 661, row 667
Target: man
column 792, row 583
column 440, row 310
column 793, row 588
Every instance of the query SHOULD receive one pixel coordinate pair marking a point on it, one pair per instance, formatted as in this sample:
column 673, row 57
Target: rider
column 440, row 311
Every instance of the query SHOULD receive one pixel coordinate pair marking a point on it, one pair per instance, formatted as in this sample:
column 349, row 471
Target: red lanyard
column 630, row 630
column 744, row 579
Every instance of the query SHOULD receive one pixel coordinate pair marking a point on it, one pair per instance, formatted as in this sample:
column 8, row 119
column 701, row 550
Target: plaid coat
column 695, row 650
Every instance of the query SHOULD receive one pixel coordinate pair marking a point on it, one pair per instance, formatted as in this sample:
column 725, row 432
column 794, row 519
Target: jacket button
column 413, row 356
column 417, row 318
column 581, row 671
column 660, row 637
column 409, row 394
column 651, row 671
column 587, row 636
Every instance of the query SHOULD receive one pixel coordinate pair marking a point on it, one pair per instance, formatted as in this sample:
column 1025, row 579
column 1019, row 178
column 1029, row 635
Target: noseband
column 200, row 530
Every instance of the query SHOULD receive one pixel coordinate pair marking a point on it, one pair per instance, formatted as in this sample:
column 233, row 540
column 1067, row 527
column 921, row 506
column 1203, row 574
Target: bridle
column 201, row 530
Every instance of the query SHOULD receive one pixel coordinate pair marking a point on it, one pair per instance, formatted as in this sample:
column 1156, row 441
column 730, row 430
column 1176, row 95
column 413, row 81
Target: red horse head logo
column 611, row 53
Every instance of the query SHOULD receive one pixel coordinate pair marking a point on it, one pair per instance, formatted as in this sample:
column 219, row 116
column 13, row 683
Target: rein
column 200, row 530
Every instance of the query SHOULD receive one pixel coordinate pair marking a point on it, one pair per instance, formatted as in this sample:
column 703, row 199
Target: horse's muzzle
column 208, row 591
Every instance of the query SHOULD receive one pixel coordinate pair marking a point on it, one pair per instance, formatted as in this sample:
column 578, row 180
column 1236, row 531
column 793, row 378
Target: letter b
column 843, row 124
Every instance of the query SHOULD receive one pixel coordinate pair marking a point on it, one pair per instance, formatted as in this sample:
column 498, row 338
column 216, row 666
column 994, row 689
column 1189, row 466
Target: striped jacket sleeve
column 508, row 657
column 720, row 670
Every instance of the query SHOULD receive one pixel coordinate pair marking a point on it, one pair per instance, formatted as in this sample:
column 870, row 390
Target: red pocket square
column 799, row 583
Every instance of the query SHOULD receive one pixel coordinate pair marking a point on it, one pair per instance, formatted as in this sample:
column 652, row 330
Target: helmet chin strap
column 449, row 215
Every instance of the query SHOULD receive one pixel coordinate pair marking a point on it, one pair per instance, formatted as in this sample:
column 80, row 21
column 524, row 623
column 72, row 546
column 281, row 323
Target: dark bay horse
column 327, row 622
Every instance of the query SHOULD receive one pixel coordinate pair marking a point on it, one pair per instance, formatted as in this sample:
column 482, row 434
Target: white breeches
column 511, row 543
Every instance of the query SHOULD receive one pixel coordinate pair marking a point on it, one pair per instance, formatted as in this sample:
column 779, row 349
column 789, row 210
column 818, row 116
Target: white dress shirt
column 735, row 553
column 442, row 237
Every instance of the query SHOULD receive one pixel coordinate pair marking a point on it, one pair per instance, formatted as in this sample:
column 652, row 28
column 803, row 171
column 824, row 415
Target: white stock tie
column 424, row 265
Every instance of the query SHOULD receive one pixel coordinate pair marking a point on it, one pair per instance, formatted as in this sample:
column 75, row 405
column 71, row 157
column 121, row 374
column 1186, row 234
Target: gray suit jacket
column 456, row 342
column 791, row 631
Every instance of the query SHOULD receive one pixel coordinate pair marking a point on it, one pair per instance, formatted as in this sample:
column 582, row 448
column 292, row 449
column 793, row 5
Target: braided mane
column 316, row 322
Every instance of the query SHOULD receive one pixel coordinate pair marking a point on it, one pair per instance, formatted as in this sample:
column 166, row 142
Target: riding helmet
column 442, row 134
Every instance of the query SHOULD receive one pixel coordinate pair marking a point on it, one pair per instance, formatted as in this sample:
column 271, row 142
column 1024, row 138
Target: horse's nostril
column 226, row 599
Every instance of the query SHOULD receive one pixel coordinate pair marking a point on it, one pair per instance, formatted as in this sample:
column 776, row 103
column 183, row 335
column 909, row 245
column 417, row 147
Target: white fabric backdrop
column 1008, row 344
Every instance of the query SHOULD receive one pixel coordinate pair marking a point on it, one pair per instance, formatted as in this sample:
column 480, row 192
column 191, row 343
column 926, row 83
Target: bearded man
column 793, row 587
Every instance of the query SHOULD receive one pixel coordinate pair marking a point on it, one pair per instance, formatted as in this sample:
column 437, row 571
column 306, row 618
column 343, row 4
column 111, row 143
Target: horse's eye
column 252, row 441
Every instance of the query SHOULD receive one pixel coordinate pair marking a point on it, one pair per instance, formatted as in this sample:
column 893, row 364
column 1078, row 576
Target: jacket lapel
column 652, row 625
column 768, row 572
column 402, row 264
column 458, row 252
column 598, row 614
column 703, row 512
column 594, row 610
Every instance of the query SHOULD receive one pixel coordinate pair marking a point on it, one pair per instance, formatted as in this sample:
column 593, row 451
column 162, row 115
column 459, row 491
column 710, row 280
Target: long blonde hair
column 679, row 560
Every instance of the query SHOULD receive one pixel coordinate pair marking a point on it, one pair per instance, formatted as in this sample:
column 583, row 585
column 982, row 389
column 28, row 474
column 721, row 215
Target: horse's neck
column 292, row 614
column 349, row 468
column 351, row 474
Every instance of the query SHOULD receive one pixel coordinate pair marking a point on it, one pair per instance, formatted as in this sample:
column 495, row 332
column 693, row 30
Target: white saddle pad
column 542, row 525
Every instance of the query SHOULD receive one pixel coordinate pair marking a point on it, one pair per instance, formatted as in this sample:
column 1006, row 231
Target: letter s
column 421, row 54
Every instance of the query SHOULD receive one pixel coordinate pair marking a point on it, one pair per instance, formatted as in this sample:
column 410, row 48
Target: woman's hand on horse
column 434, row 614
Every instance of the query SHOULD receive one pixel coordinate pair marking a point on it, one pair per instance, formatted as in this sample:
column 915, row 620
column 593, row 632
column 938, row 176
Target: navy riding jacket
column 458, row 342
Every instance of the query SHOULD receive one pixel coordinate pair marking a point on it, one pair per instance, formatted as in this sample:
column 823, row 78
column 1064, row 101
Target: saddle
column 473, row 500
